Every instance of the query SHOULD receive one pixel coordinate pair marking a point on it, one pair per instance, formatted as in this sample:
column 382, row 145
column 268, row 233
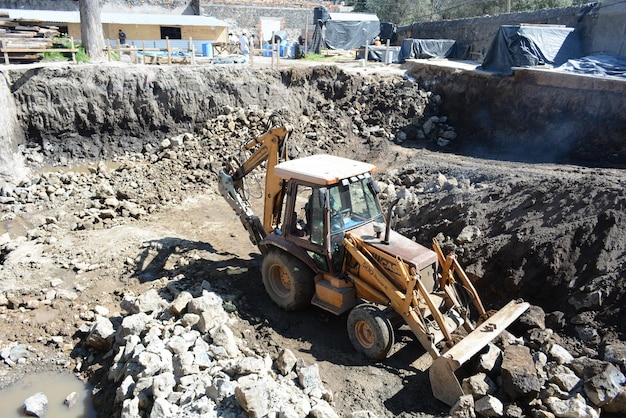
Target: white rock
column 478, row 385
column 71, row 400
column 223, row 337
column 178, row 344
column 309, row 377
column 560, row 354
column 180, row 303
column 163, row 385
column 490, row 360
column 285, row 361
column 36, row 405
column 220, row 388
column 101, row 334
column 190, row 319
column 149, row 362
column 254, row 396
column 161, row 408
column 132, row 325
column 575, row 407
column 322, row 410
column 489, row 406
column 468, row 234
column 463, row 408
column 125, row 389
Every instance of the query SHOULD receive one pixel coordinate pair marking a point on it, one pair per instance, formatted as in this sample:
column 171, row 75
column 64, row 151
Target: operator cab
column 326, row 197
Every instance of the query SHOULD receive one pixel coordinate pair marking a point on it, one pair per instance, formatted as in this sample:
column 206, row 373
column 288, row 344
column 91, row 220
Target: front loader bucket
column 443, row 380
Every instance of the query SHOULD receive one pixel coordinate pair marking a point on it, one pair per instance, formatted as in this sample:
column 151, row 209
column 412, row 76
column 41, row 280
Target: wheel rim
column 279, row 280
column 364, row 334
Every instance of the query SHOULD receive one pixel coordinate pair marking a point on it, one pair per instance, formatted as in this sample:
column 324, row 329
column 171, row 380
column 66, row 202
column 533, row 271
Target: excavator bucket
column 443, row 378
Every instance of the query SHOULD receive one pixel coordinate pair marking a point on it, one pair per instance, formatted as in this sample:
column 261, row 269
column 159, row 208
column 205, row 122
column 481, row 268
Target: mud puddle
column 56, row 387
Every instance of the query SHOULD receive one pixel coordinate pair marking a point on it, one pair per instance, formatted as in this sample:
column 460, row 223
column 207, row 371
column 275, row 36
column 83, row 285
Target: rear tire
column 370, row 331
column 287, row 280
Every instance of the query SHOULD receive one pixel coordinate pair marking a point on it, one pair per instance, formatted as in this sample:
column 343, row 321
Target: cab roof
column 322, row 169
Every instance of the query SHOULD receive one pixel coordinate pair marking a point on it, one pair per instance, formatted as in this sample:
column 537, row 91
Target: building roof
column 359, row 17
column 54, row 16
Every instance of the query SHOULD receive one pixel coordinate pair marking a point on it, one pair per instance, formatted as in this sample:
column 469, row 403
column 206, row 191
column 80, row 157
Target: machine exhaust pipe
column 389, row 213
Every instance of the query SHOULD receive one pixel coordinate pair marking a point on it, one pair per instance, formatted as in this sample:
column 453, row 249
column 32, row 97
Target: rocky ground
column 132, row 272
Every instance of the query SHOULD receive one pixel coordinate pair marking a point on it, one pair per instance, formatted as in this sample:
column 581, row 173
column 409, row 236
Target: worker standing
column 244, row 44
column 122, row 36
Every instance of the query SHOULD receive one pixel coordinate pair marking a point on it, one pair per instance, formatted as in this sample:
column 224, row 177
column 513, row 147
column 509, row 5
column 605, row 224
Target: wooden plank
column 19, row 35
column 28, row 28
column 25, row 50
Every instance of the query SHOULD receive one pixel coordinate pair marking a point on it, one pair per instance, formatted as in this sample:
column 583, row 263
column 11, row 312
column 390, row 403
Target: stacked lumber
column 29, row 37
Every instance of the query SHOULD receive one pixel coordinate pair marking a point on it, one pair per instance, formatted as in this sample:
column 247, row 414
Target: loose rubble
column 165, row 364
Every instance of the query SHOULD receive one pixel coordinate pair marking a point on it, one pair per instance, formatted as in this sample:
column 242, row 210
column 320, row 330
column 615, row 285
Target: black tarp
column 529, row 46
column 380, row 54
column 343, row 30
column 388, row 32
column 318, row 37
column 426, row 48
column 350, row 34
column 599, row 65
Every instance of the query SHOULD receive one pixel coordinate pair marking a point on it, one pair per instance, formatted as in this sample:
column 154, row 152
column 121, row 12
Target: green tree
column 400, row 12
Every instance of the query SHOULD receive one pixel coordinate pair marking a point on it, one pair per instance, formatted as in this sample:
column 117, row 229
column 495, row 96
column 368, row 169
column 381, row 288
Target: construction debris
column 24, row 41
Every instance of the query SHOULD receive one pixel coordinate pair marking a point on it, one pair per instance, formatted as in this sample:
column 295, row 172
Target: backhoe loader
column 325, row 241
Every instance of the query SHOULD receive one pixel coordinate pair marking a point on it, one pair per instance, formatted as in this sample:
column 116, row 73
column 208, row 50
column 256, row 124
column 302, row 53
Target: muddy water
column 56, row 387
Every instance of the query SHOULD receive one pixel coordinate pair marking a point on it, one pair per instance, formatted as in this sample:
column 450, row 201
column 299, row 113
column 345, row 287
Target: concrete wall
column 293, row 20
column 475, row 35
column 609, row 32
column 602, row 27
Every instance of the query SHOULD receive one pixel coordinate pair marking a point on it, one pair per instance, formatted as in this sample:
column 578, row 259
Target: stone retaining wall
column 474, row 35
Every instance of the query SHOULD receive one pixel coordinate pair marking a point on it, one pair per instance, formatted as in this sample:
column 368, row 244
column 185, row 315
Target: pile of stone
column 536, row 375
column 179, row 353
column 104, row 195
column 394, row 109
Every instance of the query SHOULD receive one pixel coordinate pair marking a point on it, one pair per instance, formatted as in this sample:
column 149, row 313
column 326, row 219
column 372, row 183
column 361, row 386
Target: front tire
column 287, row 280
column 370, row 331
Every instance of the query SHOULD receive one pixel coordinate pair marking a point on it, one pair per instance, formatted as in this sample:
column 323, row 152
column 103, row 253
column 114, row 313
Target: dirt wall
column 11, row 134
column 534, row 115
column 134, row 103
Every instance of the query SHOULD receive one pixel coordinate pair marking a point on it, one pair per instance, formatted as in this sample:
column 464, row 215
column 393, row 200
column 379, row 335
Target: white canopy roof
column 55, row 16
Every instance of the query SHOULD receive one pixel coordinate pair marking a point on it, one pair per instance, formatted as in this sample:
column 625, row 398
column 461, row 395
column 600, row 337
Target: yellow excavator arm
column 268, row 147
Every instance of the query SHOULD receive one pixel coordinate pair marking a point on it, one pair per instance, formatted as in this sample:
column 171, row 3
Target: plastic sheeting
column 380, row 54
column 529, row 46
column 388, row 31
column 598, row 65
column 347, row 34
column 426, row 48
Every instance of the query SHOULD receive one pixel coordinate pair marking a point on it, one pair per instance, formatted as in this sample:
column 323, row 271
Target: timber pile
column 29, row 37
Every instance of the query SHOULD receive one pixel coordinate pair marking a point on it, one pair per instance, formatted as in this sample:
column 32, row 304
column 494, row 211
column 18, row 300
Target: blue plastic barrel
column 207, row 50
